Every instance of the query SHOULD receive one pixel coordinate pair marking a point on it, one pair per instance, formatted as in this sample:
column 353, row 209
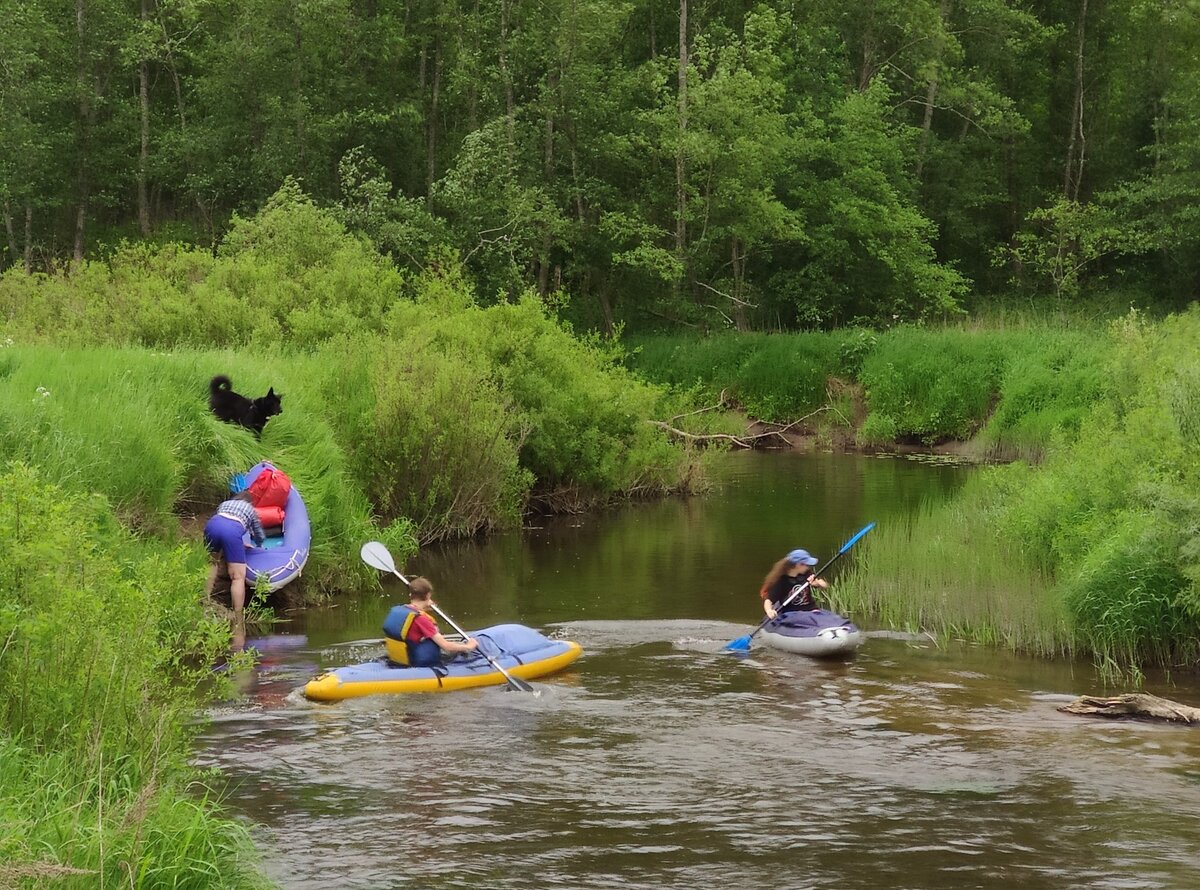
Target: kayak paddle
column 376, row 555
column 742, row 644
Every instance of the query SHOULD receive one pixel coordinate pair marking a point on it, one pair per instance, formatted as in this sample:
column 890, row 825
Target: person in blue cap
column 793, row 571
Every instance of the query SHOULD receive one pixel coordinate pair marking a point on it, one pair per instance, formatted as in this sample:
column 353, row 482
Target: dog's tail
column 218, row 383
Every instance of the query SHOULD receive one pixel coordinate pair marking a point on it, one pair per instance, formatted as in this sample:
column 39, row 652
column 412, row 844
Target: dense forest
column 767, row 165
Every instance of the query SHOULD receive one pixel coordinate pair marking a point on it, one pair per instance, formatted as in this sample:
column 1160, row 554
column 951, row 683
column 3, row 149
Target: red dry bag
column 270, row 516
column 270, row 488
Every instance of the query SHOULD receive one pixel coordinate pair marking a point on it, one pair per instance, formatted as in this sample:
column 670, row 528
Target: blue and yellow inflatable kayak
column 520, row 650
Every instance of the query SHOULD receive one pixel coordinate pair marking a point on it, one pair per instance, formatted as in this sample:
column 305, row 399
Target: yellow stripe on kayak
column 329, row 687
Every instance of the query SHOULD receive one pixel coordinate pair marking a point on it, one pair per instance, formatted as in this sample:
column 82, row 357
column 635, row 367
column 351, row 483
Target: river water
column 657, row 761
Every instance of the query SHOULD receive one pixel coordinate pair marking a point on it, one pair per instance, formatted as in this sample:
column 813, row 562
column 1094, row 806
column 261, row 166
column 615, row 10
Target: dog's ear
column 271, row 393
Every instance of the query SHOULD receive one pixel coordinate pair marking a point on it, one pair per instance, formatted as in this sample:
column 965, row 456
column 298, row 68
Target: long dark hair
column 774, row 575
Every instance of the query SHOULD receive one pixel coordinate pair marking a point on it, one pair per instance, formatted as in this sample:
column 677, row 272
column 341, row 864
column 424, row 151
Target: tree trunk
column 28, row 239
column 653, row 34
column 680, row 155
column 432, row 122
column 473, row 85
column 506, row 77
column 83, row 182
column 930, row 97
column 174, row 69
column 606, row 310
column 867, row 71
column 548, row 179
column 738, row 264
column 144, row 149
column 12, row 235
column 1073, row 168
column 298, row 87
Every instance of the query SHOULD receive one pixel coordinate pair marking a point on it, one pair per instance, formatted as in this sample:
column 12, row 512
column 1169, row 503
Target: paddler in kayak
column 412, row 636
column 793, row 571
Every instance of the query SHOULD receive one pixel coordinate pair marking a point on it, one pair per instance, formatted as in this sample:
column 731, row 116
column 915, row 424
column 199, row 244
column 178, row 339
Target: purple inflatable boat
column 818, row 633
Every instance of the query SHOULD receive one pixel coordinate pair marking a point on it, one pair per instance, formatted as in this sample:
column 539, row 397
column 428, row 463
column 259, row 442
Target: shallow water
column 658, row 761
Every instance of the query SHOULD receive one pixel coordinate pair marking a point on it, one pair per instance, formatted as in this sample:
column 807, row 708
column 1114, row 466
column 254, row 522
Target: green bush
column 105, row 647
column 1128, row 595
column 430, row 437
column 580, row 415
column 289, row 275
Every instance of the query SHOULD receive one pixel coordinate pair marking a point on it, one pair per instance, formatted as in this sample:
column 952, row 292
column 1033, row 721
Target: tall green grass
column 775, row 377
column 134, row 425
column 1097, row 549
column 945, row 571
column 104, row 653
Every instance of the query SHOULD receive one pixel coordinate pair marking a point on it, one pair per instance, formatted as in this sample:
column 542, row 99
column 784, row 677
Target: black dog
column 231, row 407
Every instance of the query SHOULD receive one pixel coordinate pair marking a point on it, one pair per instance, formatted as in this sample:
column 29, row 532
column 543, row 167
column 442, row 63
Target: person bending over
column 412, row 636
column 223, row 539
column 791, row 572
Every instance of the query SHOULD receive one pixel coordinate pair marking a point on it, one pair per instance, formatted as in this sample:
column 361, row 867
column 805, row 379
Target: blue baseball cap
column 798, row 556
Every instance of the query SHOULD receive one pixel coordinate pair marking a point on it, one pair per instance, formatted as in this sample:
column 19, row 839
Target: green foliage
column 945, row 570
column 1018, row 388
column 576, row 416
column 291, row 274
column 818, row 165
column 1108, row 524
column 1129, row 596
column 104, row 653
column 397, row 225
column 1050, row 382
column 930, row 385
column 431, row 438
column 774, row 377
column 134, row 425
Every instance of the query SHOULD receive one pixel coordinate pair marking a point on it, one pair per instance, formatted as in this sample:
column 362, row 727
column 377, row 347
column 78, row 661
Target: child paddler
column 412, row 636
column 793, row 571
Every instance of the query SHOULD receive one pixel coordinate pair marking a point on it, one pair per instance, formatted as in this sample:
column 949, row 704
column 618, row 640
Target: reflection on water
column 657, row 761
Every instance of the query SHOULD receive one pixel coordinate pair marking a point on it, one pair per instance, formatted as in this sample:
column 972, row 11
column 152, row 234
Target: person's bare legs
column 213, row 572
column 237, row 588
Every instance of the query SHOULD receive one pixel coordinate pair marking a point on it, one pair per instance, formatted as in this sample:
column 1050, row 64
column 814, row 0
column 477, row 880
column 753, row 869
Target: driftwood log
column 1136, row 705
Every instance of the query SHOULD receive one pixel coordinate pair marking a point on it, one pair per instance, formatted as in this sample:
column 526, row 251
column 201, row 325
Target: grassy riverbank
column 410, row 413
column 104, row 654
column 1011, row 389
column 1088, row 545
column 406, row 403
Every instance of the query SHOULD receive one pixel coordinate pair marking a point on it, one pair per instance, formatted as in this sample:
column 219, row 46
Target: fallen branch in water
column 1138, row 705
column 743, row 440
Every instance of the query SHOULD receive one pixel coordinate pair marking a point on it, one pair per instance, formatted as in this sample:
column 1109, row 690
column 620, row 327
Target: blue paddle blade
column 741, row 644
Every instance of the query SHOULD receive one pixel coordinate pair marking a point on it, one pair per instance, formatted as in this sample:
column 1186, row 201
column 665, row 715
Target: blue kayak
column 281, row 559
